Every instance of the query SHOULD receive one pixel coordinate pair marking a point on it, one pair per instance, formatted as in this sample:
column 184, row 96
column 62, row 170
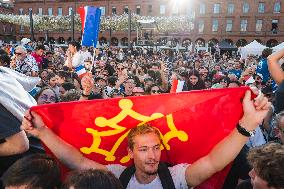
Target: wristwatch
column 245, row 132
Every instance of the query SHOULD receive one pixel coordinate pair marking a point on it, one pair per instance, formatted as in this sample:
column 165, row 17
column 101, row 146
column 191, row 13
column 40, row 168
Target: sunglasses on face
column 18, row 53
column 155, row 91
column 120, row 68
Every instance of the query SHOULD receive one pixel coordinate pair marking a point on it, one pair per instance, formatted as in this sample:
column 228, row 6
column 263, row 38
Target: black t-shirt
column 9, row 124
column 279, row 98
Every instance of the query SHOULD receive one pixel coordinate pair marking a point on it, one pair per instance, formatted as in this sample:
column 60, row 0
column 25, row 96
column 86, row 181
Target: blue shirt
column 262, row 68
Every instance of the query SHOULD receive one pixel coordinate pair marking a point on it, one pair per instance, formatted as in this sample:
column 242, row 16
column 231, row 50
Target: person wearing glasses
column 154, row 90
column 24, row 62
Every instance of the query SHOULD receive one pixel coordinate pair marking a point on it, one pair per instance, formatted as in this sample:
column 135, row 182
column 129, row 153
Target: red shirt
column 38, row 58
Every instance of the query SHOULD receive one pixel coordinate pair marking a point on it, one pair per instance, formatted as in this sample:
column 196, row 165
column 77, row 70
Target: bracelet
column 83, row 95
column 245, row 132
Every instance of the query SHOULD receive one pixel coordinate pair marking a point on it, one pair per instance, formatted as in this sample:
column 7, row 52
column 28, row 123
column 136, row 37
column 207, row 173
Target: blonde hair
column 141, row 130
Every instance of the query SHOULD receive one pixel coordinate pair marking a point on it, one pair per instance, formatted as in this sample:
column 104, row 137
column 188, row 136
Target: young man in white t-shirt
column 144, row 148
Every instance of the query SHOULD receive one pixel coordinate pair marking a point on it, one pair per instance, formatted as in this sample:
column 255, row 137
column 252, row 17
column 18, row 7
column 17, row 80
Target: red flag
column 191, row 123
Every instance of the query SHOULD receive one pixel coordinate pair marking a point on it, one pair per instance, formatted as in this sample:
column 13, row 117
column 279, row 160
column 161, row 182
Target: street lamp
column 129, row 28
column 31, row 24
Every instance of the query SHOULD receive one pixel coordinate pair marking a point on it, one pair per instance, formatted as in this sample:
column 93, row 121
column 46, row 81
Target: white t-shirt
column 177, row 172
column 77, row 59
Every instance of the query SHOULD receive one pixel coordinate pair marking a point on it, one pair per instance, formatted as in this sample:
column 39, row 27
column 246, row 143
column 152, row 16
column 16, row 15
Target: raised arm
column 67, row 154
column 274, row 67
column 227, row 149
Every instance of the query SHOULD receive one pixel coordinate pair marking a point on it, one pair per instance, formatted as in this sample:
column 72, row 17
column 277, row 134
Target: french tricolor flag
column 90, row 18
column 177, row 86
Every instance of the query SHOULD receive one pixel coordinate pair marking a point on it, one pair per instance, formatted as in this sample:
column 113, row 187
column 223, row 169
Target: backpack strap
column 165, row 176
column 126, row 175
column 163, row 172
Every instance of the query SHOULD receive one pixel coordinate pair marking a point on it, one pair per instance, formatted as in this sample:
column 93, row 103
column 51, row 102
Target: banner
column 90, row 18
column 191, row 124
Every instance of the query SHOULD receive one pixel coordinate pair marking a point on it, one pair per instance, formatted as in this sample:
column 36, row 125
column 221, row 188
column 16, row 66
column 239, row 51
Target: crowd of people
column 35, row 74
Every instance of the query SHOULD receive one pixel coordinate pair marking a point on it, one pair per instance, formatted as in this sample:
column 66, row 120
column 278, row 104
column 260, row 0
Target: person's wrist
column 41, row 131
column 247, row 123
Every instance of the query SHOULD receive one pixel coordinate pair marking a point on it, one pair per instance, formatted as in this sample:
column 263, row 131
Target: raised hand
column 32, row 123
column 254, row 110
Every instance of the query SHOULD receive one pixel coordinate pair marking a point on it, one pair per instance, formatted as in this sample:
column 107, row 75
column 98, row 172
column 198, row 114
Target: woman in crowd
column 46, row 96
column 195, row 82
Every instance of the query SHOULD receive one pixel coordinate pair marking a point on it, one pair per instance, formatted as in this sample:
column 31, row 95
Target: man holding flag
column 144, row 147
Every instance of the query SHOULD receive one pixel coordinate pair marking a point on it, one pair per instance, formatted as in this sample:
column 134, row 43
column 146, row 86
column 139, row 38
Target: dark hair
column 4, row 60
column 68, row 85
column 200, row 83
column 50, row 75
column 75, row 44
column 266, row 52
column 40, row 47
column 35, row 171
column 45, row 88
column 268, row 163
column 112, row 80
column 236, row 82
column 64, row 74
column 92, row 179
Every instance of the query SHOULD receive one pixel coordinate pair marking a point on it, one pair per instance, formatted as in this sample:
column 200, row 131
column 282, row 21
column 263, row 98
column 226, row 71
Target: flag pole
column 129, row 28
column 31, row 24
column 72, row 25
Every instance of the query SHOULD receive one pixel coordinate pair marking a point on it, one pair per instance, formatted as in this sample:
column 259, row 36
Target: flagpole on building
column 129, row 28
column 31, row 24
column 72, row 25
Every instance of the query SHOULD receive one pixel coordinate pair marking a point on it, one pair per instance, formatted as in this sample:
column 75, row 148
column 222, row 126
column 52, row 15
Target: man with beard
column 144, row 147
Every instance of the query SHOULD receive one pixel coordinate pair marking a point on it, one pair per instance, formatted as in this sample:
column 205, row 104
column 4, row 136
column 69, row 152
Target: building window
column 103, row 11
column 229, row 25
column 21, row 11
column 175, row 10
column 274, row 27
column 150, row 9
column 138, row 9
column 40, row 11
column 11, row 29
column 22, row 28
column 49, row 11
column 113, row 10
column 201, row 26
column 59, row 11
column 231, row 8
column 4, row 28
column 162, row 9
column 245, row 8
column 258, row 25
column 190, row 11
column 215, row 25
column 202, row 8
column 216, row 8
column 244, row 25
column 126, row 9
column 70, row 11
column 277, row 7
column 261, row 8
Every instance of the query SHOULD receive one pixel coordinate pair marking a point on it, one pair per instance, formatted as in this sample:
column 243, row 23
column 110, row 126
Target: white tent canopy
column 278, row 47
column 254, row 48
